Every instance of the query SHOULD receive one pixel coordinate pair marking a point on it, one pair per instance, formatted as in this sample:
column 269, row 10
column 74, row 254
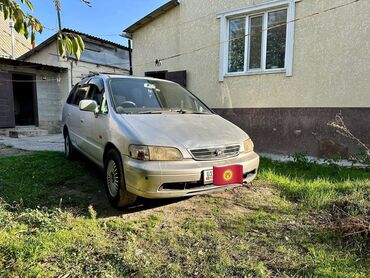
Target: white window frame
column 252, row 11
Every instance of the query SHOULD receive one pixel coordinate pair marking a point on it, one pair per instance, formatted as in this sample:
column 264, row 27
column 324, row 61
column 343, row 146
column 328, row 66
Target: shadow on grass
column 47, row 179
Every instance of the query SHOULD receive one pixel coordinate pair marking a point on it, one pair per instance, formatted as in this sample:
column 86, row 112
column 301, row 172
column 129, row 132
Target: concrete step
column 27, row 131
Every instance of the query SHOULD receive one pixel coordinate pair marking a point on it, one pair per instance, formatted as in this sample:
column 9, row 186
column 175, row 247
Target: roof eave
column 19, row 63
column 67, row 30
column 151, row 16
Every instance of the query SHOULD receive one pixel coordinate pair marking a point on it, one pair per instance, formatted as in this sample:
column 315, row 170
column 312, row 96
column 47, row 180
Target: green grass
column 280, row 226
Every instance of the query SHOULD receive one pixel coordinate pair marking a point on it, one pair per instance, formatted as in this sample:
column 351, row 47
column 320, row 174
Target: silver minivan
column 152, row 137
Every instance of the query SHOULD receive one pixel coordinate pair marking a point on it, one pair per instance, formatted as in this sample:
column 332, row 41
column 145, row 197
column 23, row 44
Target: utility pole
column 58, row 8
column 11, row 26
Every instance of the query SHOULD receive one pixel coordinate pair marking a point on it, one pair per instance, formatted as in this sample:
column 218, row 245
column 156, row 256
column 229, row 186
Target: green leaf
column 6, row 12
column 81, row 43
column 33, row 36
column 75, row 45
column 29, row 4
column 69, row 45
column 61, row 48
column 25, row 28
column 78, row 54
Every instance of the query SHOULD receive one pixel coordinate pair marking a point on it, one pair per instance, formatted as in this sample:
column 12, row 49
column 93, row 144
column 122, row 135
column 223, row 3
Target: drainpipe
column 128, row 36
column 11, row 26
column 130, row 56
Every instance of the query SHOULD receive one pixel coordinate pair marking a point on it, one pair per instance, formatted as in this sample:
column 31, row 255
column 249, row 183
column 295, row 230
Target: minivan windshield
column 141, row 96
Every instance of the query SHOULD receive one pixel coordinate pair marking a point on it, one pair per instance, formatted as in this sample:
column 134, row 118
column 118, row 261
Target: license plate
column 208, row 176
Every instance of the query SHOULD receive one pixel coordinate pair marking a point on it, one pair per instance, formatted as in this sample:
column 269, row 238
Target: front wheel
column 115, row 184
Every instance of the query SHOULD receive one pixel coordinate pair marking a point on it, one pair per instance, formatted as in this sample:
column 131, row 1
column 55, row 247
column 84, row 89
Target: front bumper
column 149, row 179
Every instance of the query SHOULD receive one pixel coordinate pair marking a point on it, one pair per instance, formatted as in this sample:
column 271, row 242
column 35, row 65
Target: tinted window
column 95, row 94
column 72, row 95
column 80, row 95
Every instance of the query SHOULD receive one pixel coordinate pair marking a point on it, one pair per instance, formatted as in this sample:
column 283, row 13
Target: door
column 175, row 76
column 94, row 126
column 74, row 117
column 6, row 101
column 25, row 99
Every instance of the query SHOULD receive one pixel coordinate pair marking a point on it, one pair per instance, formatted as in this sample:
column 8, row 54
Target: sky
column 105, row 19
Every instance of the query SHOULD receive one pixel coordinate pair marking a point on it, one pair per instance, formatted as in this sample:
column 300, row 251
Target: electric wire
column 247, row 35
column 213, row 44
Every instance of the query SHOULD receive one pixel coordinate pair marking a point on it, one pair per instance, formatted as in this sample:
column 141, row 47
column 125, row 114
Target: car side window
column 72, row 94
column 81, row 94
column 97, row 93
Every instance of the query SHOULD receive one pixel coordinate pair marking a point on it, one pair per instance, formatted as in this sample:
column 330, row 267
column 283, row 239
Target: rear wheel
column 115, row 184
column 69, row 150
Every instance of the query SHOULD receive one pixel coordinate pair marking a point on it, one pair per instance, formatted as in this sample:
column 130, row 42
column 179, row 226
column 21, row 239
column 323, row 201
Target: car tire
column 69, row 150
column 115, row 185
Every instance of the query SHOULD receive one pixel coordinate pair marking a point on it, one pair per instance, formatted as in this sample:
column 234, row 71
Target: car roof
column 121, row 76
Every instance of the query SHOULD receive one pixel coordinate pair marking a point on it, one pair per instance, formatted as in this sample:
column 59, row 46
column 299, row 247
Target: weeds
column 341, row 128
column 295, row 221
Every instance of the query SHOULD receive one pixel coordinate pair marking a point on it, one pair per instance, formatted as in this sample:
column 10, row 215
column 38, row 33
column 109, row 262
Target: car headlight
column 154, row 153
column 248, row 146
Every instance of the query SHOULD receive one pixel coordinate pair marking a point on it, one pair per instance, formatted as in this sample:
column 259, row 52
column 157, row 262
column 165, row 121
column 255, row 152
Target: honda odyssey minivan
column 152, row 137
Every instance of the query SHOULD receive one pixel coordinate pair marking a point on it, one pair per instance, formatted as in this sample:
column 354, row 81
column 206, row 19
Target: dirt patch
column 9, row 151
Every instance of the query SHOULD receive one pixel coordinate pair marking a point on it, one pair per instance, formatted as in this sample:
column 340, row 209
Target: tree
column 27, row 25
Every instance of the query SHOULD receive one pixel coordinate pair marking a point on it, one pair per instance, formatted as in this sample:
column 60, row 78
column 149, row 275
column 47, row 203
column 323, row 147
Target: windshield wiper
column 149, row 112
column 183, row 111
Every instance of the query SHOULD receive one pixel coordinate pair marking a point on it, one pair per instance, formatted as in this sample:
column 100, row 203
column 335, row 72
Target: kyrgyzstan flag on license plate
column 228, row 175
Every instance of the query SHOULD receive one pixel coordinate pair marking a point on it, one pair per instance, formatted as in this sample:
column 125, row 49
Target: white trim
column 256, row 7
column 262, row 8
column 289, row 49
column 246, row 43
column 223, row 48
column 255, row 72
column 264, row 41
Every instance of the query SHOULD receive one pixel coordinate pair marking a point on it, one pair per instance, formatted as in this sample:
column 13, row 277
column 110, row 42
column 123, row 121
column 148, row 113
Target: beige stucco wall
column 331, row 66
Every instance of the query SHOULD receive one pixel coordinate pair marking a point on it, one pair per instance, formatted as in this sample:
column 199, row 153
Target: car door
column 94, row 125
column 74, row 117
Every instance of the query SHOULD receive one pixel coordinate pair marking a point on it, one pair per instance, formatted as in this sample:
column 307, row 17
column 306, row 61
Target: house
column 279, row 69
column 30, row 97
column 34, row 87
column 99, row 56
column 7, row 41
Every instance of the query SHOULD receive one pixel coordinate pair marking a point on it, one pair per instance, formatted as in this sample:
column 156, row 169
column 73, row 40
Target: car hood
column 184, row 130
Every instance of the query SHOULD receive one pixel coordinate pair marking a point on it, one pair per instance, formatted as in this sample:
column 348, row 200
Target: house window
column 236, row 44
column 276, row 39
column 257, row 39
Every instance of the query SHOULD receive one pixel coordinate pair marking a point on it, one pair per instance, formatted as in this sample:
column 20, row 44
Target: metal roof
column 153, row 15
column 66, row 30
column 11, row 62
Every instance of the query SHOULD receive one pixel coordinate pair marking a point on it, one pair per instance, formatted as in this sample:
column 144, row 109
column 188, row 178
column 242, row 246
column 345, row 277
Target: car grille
column 215, row 152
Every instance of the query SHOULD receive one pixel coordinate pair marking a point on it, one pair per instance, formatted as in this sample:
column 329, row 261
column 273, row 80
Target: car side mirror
column 88, row 105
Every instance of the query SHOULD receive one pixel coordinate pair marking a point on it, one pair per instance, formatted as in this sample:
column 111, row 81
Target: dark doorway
column 25, row 99
column 175, row 76
column 6, row 101
column 156, row 74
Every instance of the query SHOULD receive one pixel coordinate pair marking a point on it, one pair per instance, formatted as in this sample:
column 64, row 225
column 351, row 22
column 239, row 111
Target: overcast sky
column 105, row 19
